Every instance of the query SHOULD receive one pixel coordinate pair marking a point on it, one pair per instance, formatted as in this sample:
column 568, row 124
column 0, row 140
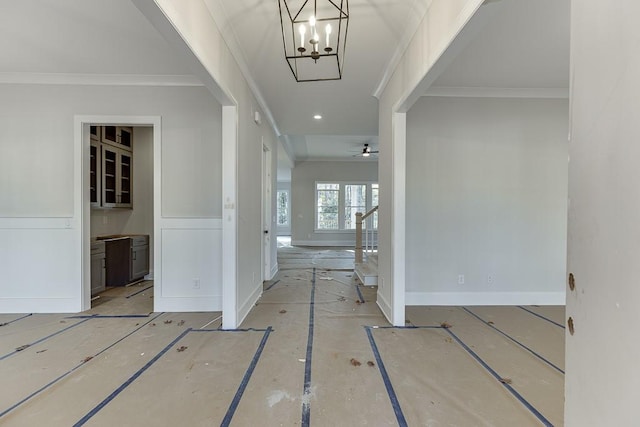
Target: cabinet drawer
column 139, row 240
column 97, row 248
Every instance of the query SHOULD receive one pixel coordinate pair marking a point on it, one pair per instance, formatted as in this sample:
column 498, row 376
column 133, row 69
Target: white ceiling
column 376, row 28
column 525, row 45
column 332, row 147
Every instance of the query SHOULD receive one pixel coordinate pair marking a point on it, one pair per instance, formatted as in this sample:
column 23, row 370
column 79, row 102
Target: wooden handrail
column 368, row 214
column 360, row 217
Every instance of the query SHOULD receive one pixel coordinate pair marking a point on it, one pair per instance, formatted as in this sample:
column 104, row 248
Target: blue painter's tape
column 127, row 383
column 517, row 395
column 402, row 422
column 233, row 330
column 306, row 405
column 45, row 338
column 15, row 320
column 140, row 291
column 111, row 316
column 406, row 327
column 41, row 389
column 514, row 340
column 272, row 285
column 245, row 380
column 541, row 316
column 359, row 294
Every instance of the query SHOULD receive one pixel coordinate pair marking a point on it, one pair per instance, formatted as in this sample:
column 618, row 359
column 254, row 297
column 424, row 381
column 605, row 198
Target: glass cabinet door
column 109, row 168
column 95, row 179
column 125, row 180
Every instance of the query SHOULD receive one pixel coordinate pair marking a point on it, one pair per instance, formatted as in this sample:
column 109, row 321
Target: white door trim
column 230, row 309
column 267, row 192
column 82, row 207
column 399, row 130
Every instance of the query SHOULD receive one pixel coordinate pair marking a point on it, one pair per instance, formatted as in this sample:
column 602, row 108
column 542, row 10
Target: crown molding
column 221, row 18
column 99, row 79
column 351, row 159
column 498, row 92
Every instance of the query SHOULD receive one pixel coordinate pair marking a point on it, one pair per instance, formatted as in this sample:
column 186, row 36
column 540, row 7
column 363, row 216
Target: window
column 374, row 202
column 337, row 204
column 355, row 200
column 328, row 199
column 282, row 201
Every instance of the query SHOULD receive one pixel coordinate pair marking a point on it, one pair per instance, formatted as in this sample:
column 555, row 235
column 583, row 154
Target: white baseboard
column 485, row 298
column 336, row 243
column 187, row 304
column 384, row 306
column 249, row 303
column 39, row 305
column 273, row 272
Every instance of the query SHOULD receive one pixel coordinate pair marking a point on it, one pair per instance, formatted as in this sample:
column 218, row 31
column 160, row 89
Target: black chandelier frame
column 293, row 54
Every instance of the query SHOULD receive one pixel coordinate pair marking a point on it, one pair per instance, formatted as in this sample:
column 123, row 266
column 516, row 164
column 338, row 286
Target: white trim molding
column 337, row 243
column 384, row 306
column 99, row 79
column 499, row 92
column 248, row 304
column 485, row 298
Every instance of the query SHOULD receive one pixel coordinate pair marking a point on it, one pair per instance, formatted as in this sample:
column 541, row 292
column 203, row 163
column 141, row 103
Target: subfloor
column 315, row 350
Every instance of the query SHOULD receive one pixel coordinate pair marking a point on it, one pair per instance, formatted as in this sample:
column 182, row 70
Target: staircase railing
column 369, row 234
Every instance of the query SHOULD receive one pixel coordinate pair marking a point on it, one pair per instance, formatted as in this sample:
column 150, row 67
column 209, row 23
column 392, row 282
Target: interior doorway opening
column 118, row 213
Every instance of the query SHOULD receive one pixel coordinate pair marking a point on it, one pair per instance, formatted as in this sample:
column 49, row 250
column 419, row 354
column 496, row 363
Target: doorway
column 121, row 220
column 118, row 209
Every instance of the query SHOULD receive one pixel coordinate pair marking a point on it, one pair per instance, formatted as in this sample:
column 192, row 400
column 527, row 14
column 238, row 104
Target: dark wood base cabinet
column 127, row 258
column 118, row 259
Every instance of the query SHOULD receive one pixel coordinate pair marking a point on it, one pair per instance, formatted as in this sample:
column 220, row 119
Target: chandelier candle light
column 307, row 59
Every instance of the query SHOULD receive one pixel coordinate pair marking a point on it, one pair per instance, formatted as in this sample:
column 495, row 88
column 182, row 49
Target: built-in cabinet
column 117, row 135
column 139, row 257
column 111, row 166
column 98, row 267
column 117, row 260
column 127, row 258
column 116, row 177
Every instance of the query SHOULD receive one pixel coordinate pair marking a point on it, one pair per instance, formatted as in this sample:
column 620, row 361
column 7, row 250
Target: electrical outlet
column 490, row 279
column 460, row 279
column 196, row 283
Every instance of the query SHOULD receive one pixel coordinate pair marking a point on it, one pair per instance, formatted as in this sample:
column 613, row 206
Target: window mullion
column 341, row 205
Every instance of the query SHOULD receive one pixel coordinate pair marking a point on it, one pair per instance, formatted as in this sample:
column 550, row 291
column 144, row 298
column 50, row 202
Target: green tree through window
column 337, row 204
column 328, row 199
column 282, row 200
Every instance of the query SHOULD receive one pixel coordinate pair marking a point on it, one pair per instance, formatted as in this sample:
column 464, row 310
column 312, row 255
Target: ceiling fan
column 366, row 151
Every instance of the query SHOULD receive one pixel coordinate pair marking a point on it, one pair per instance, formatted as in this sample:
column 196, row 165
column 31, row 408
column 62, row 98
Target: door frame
column 82, row 203
column 266, row 211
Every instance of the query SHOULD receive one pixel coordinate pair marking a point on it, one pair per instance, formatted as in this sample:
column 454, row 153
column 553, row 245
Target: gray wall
column 487, row 199
column 303, row 180
column 39, row 225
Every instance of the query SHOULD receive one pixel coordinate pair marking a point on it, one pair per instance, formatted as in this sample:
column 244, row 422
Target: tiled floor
column 314, row 351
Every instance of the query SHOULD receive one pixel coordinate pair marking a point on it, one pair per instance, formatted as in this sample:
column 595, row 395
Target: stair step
column 367, row 272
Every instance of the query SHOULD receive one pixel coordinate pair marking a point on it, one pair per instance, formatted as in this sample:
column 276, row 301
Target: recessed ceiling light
column 317, row 117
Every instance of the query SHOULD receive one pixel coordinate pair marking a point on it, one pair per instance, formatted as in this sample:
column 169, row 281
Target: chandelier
column 314, row 34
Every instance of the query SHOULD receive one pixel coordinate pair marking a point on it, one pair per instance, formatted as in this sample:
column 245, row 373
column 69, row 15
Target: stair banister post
column 358, row 237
